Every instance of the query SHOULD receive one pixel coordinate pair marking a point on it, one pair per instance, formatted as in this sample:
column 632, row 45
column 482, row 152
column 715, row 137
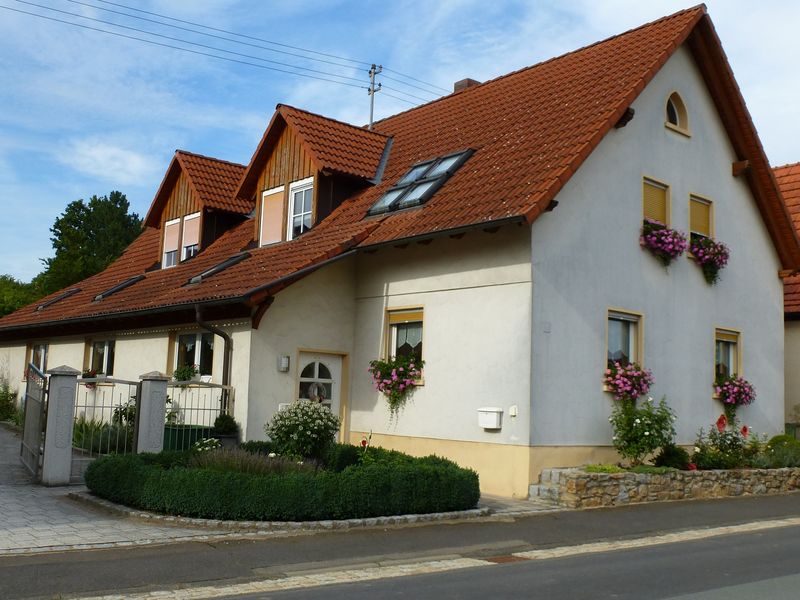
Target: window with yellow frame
column 701, row 214
column 727, row 354
column 405, row 332
column 655, row 201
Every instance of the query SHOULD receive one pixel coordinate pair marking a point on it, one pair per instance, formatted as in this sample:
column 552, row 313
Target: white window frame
column 295, row 187
column 108, row 344
column 396, row 315
column 164, row 264
column 276, row 190
column 198, row 347
column 181, row 246
column 635, row 337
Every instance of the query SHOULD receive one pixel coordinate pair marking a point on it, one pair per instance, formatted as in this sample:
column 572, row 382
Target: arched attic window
column 676, row 116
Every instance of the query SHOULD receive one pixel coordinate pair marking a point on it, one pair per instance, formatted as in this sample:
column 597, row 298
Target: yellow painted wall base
column 502, row 468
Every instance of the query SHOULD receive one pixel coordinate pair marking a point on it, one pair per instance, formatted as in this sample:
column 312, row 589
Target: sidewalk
column 37, row 519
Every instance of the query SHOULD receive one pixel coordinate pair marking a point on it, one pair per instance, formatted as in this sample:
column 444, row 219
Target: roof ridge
column 215, row 159
column 504, row 76
column 340, row 122
column 786, row 166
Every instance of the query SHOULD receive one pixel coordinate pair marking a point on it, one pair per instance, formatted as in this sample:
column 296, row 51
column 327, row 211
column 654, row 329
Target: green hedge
column 390, row 484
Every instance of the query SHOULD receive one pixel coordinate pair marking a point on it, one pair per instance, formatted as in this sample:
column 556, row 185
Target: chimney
column 464, row 84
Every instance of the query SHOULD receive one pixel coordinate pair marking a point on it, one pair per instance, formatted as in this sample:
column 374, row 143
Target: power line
column 398, row 98
column 211, row 35
column 183, row 41
column 401, row 82
column 197, row 52
column 386, row 87
column 438, row 87
column 154, row 14
column 266, row 41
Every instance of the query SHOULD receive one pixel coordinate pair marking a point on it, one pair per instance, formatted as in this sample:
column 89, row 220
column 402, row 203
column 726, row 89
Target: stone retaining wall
column 574, row 488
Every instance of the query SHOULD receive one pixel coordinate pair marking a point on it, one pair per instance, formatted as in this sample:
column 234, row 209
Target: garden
column 301, row 474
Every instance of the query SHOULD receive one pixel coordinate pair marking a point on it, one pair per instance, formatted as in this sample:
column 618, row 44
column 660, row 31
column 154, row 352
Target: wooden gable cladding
column 182, row 200
column 287, row 162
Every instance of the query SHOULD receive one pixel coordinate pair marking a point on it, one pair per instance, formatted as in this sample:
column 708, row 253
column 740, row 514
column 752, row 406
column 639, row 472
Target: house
column 788, row 178
column 494, row 231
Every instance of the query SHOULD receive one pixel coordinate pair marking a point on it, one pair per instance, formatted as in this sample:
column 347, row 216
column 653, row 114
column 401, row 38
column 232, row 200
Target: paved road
column 743, row 567
column 230, row 561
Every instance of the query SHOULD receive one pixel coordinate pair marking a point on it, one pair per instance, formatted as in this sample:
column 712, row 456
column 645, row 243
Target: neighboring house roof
column 530, row 131
column 788, row 178
column 213, row 180
column 332, row 146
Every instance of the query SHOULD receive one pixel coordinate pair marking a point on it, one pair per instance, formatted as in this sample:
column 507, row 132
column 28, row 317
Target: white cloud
column 108, row 162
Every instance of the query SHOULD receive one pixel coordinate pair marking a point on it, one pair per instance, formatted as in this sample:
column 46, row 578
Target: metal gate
column 34, row 425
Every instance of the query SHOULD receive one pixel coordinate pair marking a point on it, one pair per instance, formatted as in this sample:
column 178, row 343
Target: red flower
column 722, row 423
column 691, row 467
column 745, row 430
column 363, row 442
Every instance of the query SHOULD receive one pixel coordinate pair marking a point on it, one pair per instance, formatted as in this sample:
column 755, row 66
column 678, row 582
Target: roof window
column 59, row 298
column 420, row 183
column 120, row 286
column 229, row 262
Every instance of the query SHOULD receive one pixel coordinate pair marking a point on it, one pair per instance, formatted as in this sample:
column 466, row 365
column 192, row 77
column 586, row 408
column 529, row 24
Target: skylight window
column 233, row 260
column 420, row 183
column 58, row 298
column 118, row 287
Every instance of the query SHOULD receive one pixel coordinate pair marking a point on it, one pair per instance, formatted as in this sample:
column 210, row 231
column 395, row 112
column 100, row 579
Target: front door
column 320, row 379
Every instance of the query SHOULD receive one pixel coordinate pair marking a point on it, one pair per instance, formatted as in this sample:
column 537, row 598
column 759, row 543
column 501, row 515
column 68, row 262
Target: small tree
column 639, row 432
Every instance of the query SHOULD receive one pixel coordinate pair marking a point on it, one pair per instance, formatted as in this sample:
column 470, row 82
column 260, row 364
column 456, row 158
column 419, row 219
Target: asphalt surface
column 737, row 567
column 155, row 568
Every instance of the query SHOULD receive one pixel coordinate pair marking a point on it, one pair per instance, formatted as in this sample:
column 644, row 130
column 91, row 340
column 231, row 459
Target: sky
column 83, row 112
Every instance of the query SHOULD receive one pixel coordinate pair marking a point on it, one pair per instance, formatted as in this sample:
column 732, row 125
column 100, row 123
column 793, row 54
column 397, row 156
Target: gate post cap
column 63, row 370
column 154, row 376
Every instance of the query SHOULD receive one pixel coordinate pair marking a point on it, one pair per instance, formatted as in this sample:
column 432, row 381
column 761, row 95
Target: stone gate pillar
column 150, row 413
column 57, row 459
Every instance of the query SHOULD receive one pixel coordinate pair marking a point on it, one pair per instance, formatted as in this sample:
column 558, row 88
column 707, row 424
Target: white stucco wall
column 475, row 293
column 12, row 364
column 315, row 313
column 587, row 258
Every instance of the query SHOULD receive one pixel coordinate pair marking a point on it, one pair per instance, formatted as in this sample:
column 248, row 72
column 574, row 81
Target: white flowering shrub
column 304, row 429
column 640, row 431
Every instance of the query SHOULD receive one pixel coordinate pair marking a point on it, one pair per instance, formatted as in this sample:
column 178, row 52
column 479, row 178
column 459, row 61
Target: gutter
column 227, row 352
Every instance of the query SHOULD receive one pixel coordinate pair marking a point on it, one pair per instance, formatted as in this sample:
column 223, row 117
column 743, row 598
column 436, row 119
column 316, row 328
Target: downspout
column 227, row 353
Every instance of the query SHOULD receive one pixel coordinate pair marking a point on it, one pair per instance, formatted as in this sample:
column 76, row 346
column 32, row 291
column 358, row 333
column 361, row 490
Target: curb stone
column 275, row 526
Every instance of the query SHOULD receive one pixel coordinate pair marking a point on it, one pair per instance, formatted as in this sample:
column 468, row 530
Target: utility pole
column 373, row 70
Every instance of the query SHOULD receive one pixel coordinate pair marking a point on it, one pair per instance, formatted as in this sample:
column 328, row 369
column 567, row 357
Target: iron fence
column 34, row 404
column 192, row 409
column 104, row 420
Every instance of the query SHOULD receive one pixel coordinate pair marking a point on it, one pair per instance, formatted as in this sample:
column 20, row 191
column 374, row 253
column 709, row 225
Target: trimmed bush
column 672, row 456
column 304, row 429
column 399, row 485
column 256, row 447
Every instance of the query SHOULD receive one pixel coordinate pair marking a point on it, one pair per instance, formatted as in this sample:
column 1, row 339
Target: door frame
column 344, row 386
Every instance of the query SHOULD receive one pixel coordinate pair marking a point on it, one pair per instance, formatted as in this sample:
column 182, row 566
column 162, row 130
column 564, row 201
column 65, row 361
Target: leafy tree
column 87, row 237
column 15, row 294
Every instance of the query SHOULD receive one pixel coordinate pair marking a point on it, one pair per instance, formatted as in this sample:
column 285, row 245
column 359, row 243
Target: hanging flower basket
column 664, row 243
column 627, row 382
column 712, row 256
column 734, row 392
column 396, row 378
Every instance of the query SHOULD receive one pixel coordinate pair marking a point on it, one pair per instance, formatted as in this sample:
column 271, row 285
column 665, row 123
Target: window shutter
column 700, row 217
column 272, row 217
column 171, row 234
column 191, row 231
column 728, row 336
column 405, row 316
column 654, row 201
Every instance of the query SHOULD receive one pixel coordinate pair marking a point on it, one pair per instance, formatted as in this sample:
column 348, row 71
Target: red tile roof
column 788, row 178
column 214, row 181
column 531, row 130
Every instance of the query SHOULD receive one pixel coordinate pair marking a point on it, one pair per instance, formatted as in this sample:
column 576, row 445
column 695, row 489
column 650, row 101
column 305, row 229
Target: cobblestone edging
column 276, row 526
column 574, row 488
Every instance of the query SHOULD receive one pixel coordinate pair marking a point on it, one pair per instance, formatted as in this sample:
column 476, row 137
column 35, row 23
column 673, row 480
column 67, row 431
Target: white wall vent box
column 490, row 417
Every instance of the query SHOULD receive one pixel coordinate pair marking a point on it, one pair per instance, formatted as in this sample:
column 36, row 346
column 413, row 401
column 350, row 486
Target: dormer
column 304, row 167
column 195, row 204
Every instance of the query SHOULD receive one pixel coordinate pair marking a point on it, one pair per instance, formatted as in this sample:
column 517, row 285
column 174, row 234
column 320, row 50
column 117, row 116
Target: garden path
column 35, row 518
